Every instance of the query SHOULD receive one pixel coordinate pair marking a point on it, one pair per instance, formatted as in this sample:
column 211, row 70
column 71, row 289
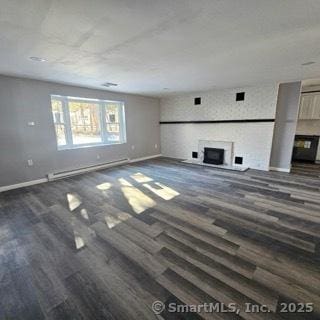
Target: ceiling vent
column 109, row 84
column 307, row 63
column 37, row 59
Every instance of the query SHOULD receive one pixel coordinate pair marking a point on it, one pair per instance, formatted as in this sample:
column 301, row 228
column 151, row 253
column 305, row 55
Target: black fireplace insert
column 213, row 156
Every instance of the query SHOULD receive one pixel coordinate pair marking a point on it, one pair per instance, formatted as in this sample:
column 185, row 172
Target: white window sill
column 81, row 146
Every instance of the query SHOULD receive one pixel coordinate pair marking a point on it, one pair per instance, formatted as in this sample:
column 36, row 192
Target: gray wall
column 24, row 100
column 285, row 125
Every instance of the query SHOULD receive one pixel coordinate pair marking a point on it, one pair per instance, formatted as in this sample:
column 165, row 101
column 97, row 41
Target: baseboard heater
column 69, row 173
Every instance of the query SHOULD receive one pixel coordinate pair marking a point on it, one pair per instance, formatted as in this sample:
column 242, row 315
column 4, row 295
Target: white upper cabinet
column 310, row 106
column 316, row 107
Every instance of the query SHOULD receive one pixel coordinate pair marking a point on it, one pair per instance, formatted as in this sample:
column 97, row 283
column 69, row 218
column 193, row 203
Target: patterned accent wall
column 252, row 141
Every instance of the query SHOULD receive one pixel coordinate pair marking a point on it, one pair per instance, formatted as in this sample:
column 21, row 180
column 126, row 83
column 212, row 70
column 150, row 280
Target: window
column 87, row 122
column 58, row 119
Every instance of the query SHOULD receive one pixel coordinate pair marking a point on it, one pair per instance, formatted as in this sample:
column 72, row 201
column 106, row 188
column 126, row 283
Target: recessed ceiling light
column 307, row 63
column 109, row 84
column 38, row 59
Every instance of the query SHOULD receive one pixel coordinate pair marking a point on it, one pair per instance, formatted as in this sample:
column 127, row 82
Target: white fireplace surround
column 226, row 145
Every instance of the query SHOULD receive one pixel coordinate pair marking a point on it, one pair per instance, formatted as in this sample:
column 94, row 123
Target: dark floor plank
column 107, row 244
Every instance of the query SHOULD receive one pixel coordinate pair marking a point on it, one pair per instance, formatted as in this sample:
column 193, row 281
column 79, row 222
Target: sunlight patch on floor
column 136, row 198
column 141, row 178
column 104, row 186
column 164, row 192
column 78, row 240
column 113, row 220
column 124, row 182
column 84, row 214
column 73, row 201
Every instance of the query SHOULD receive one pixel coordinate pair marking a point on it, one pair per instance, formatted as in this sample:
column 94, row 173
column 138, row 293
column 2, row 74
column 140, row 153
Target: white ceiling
column 148, row 45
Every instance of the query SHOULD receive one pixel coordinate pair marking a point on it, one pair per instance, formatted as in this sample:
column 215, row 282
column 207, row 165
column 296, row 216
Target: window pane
column 58, row 120
column 61, row 135
column 113, row 120
column 85, row 122
column 80, row 121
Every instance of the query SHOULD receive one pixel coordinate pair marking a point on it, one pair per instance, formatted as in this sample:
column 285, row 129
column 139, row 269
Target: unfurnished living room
column 159, row 159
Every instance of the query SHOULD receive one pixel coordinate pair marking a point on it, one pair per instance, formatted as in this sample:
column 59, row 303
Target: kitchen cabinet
column 309, row 106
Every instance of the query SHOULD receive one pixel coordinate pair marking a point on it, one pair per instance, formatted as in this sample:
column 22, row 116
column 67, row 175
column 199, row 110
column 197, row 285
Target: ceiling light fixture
column 37, row 59
column 307, row 63
column 165, row 88
column 109, row 84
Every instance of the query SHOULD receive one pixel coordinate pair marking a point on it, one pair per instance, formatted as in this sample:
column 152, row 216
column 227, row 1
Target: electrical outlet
column 98, row 156
column 156, row 146
column 30, row 162
column 133, row 147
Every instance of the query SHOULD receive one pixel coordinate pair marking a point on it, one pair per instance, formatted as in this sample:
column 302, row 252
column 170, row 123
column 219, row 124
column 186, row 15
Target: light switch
column 30, row 162
column 31, row 124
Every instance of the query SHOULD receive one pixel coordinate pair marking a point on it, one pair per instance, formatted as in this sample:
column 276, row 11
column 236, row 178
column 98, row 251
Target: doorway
column 306, row 150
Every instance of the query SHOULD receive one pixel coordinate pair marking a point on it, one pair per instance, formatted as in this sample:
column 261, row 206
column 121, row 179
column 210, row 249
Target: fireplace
column 213, row 156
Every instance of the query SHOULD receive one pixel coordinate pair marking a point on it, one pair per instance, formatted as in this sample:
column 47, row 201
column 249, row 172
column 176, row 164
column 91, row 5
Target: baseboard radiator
column 69, row 173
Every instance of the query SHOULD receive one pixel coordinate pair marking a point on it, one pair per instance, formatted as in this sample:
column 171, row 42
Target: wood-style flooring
column 306, row 169
column 107, row 244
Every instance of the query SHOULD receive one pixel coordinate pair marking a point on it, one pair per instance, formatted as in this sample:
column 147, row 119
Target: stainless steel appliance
column 305, row 148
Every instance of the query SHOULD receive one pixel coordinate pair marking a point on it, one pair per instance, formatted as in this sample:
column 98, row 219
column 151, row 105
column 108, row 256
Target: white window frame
column 103, row 124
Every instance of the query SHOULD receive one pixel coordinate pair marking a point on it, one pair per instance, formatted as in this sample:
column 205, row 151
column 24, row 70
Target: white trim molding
column 146, row 158
column 60, row 175
column 23, row 184
column 279, row 169
column 72, row 172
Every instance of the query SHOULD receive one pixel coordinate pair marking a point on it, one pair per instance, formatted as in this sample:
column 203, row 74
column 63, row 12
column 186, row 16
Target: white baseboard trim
column 23, row 184
column 279, row 169
column 145, row 158
column 74, row 172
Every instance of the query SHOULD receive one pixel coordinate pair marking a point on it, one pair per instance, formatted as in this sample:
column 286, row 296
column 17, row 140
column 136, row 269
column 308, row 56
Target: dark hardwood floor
column 106, row 245
column 306, row 169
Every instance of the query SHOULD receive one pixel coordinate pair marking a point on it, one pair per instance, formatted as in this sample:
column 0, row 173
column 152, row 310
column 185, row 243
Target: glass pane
column 57, row 111
column 60, row 133
column 85, row 122
column 113, row 120
column 58, row 119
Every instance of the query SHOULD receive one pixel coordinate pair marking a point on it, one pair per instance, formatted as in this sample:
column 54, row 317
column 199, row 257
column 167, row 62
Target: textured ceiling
column 148, row 45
